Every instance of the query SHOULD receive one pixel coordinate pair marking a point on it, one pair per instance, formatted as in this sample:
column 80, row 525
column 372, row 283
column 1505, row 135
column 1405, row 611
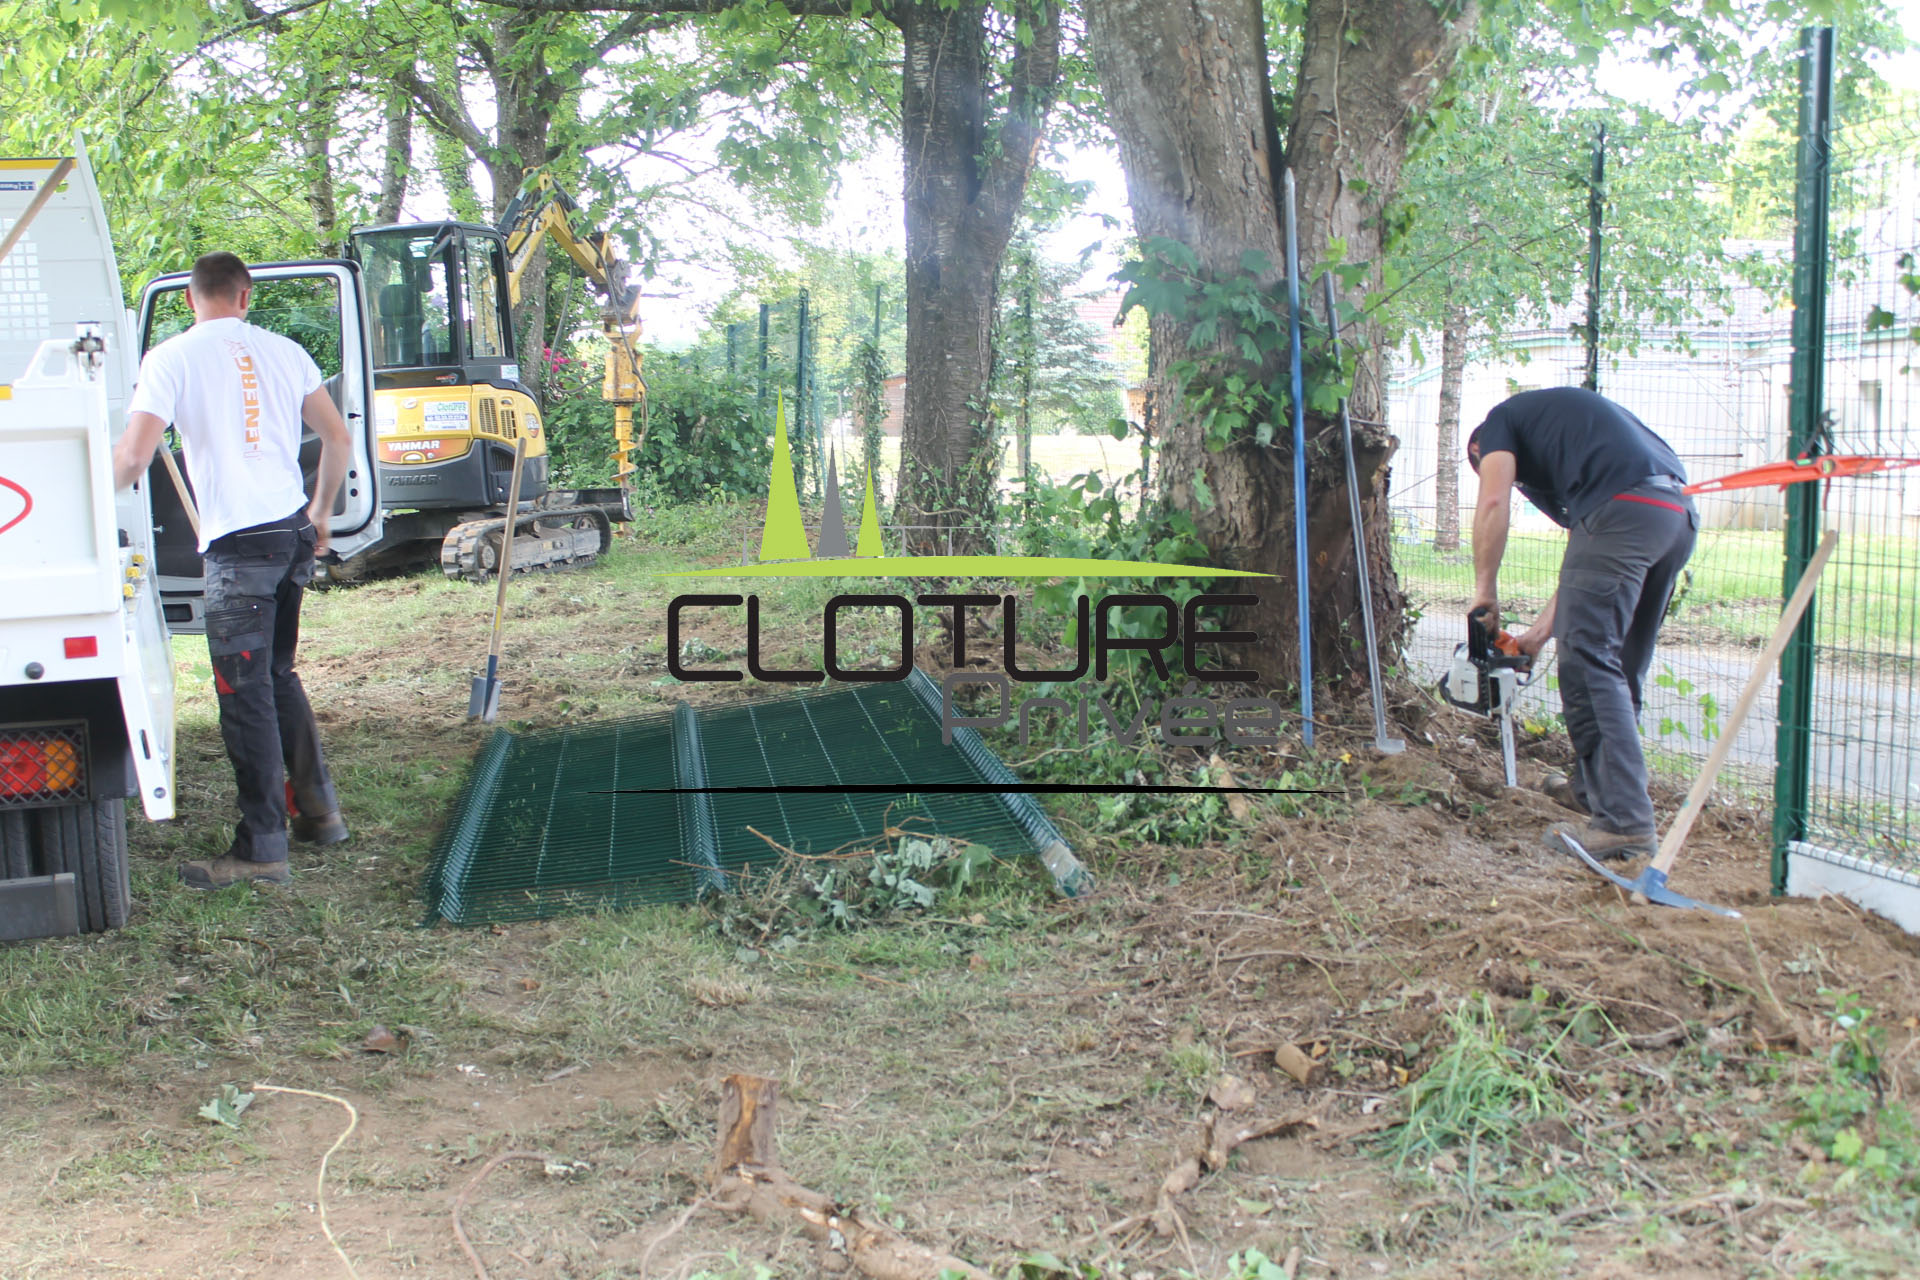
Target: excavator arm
column 541, row 210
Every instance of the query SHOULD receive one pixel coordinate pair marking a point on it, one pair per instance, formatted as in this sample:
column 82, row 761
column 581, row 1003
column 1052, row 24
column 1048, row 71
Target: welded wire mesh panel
column 877, row 735
column 542, row 829
column 1865, row 761
column 664, row 808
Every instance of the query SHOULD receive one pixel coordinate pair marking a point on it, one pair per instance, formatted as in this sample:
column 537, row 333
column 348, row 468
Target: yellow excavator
column 449, row 402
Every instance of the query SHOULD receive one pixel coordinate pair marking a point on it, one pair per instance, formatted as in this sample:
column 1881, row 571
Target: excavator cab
column 448, row 400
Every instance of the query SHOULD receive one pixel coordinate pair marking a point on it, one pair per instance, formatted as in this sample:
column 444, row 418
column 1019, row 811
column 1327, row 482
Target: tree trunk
column 1191, row 103
column 396, row 165
column 316, row 144
column 963, row 191
column 1446, row 477
column 524, row 106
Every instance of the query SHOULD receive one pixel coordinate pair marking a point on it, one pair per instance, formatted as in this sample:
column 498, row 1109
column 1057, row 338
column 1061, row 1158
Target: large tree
column 975, row 94
column 1204, row 136
column 1203, row 143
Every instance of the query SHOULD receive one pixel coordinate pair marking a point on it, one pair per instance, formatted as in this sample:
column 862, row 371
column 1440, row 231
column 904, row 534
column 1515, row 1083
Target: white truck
column 91, row 580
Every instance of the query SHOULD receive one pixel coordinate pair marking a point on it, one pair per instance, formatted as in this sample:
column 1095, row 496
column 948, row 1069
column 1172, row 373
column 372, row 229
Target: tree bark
column 964, row 182
column 396, row 166
column 1192, row 106
column 316, row 145
column 1446, row 478
column 524, row 103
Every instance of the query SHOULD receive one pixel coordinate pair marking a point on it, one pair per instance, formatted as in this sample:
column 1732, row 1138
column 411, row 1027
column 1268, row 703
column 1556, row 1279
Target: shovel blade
column 492, row 708
column 484, row 693
column 1650, row 884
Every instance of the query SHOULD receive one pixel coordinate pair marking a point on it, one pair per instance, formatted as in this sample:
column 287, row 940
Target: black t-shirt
column 1574, row 449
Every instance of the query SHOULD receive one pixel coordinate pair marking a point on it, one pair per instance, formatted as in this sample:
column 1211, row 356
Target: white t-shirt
column 233, row 391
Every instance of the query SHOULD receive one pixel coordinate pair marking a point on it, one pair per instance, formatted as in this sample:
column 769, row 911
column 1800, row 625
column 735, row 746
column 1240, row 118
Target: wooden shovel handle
column 506, row 546
column 1710, row 773
column 180, row 487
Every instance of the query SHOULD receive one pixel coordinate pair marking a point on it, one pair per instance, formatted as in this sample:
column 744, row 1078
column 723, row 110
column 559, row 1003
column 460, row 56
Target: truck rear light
column 83, row 646
column 42, row 764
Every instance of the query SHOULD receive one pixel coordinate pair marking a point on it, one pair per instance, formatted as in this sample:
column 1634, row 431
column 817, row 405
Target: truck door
column 322, row 306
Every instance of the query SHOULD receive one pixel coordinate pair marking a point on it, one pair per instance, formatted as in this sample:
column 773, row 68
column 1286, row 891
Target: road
column 1864, row 744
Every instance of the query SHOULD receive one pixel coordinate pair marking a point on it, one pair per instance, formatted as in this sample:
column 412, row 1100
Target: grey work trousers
column 254, row 579
column 1621, row 563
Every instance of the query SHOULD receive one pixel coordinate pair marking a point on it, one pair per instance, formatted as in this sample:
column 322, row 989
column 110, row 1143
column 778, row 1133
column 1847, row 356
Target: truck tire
column 89, row 840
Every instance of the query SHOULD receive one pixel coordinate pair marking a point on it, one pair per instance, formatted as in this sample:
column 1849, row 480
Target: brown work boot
column 218, row 873
column 1560, row 791
column 321, row 829
column 1606, row 846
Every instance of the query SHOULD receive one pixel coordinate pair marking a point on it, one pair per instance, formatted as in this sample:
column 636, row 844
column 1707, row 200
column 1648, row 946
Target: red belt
column 1652, row 502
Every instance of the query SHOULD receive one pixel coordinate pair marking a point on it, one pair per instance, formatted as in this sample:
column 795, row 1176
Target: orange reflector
column 36, row 767
column 83, row 647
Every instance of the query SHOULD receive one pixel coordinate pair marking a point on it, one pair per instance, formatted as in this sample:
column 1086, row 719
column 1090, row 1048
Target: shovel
column 484, row 699
column 1651, row 884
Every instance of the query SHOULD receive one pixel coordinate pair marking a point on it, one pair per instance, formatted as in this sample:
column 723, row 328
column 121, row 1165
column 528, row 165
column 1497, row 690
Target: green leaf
column 1847, row 1145
column 227, row 1107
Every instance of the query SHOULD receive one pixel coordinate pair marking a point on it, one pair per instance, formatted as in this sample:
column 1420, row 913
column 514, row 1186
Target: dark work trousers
column 1615, row 582
column 253, row 585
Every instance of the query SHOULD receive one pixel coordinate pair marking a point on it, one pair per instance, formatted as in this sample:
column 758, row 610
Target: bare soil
column 996, row 1086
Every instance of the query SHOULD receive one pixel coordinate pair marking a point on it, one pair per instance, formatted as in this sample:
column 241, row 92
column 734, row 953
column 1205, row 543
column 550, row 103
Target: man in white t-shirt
column 237, row 395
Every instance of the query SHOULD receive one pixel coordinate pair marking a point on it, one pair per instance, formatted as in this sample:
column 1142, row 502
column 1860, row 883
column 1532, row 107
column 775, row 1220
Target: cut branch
column 1219, row 1135
column 747, row 1178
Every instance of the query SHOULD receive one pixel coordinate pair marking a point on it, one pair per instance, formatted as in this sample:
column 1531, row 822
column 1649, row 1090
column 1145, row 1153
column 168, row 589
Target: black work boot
column 218, row 873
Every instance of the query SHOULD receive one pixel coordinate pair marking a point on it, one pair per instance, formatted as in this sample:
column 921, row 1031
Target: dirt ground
column 1013, row 1084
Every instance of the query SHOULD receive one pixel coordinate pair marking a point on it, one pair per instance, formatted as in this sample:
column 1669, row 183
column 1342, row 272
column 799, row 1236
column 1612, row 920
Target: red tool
column 1785, row 473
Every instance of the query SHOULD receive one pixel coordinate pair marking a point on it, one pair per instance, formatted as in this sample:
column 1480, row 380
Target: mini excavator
column 449, row 402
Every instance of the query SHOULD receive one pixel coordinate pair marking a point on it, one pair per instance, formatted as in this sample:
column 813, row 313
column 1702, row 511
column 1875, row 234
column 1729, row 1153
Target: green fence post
column 1812, row 186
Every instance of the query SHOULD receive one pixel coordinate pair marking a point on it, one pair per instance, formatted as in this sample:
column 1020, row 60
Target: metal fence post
column 1596, row 217
column 802, row 417
column 1805, row 412
column 760, row 380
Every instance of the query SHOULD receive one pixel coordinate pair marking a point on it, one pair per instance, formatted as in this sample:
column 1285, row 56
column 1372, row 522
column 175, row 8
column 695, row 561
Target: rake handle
column 1776, row 645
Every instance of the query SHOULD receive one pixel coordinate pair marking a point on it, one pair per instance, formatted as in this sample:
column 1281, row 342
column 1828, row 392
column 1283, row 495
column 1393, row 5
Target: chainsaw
column 1486, row 678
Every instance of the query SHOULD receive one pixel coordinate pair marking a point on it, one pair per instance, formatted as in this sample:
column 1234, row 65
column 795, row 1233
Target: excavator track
column 545, row 539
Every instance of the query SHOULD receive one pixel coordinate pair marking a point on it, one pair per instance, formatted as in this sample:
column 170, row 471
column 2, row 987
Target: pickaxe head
column 1650, row 884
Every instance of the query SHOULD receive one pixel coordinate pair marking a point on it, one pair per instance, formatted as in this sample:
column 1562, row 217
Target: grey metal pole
column 1382, row 743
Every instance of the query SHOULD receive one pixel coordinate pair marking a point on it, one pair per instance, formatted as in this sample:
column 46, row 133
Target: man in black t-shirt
column 1617, row 488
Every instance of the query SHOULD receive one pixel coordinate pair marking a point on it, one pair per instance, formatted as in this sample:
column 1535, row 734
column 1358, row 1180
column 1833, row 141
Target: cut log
column 747, row 1178
column 1290, row 1059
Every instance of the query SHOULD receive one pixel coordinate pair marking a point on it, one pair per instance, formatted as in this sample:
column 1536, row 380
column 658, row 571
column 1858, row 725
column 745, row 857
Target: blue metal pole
column 1299, row 465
